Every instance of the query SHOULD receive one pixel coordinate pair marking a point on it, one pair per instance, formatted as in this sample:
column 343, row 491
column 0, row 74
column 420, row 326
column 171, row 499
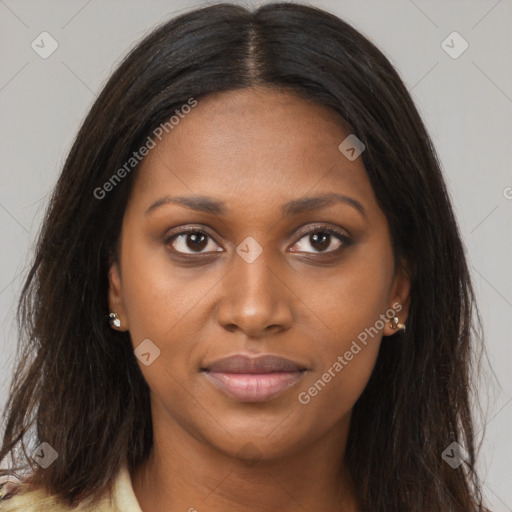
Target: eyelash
column 318, row 228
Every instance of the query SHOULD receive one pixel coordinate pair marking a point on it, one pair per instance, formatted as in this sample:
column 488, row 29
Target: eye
column 321, row 239
column 192, row 241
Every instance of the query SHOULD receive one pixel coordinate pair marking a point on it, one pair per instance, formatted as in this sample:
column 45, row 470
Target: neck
column 184, row 473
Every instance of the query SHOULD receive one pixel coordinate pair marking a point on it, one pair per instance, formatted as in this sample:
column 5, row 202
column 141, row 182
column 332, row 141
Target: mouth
column 253, row 379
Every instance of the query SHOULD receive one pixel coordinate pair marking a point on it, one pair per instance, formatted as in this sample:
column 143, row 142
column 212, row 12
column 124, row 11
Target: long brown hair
column 77, row 385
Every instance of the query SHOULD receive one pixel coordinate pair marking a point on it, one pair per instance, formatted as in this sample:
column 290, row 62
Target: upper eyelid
column 318, row 226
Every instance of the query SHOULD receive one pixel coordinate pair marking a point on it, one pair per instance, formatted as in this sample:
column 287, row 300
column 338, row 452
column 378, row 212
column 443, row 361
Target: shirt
column 37, row 500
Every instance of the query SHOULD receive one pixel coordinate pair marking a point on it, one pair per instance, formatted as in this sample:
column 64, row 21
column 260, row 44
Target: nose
column 255, row 299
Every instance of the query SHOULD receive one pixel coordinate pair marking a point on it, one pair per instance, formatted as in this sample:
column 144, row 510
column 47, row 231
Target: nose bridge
column 254, row 298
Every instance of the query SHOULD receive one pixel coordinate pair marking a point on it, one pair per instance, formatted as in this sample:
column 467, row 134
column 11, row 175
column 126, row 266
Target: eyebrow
column 209, row 205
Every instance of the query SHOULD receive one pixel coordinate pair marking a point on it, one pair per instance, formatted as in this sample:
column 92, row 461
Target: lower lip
column 254, row 387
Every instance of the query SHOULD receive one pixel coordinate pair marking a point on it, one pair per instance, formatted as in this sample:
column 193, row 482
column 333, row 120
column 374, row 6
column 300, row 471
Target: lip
column 264, row 363
column 254, row 379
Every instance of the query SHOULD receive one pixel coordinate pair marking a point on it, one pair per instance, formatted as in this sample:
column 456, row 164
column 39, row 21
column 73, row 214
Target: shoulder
column 17, row 497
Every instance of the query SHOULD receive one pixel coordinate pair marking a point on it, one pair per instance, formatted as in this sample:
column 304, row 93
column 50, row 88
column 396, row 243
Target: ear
column 115, row 296
column 399, row 298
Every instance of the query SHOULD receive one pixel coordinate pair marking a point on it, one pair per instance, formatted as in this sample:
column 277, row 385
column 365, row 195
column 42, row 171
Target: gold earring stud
column 114, row 320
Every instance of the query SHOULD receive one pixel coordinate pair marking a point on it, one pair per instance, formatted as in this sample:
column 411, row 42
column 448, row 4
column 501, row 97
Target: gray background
column 466, row 103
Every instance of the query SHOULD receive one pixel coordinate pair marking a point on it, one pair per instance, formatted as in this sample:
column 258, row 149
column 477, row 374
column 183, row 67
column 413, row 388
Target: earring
column 114, row 320
column 395, row 324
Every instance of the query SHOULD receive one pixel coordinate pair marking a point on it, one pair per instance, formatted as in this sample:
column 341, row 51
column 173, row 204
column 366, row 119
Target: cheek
column 346, row 356
column 157, row 297
column 349, row 310
column 352, row 298
column 159, row 304
column 333, row 391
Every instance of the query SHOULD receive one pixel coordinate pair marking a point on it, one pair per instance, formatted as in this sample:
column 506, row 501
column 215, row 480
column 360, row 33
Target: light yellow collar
column 37, row 500
column 124, row 497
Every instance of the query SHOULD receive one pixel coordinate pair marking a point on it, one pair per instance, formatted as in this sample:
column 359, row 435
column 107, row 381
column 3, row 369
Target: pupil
column 198, row 241
column 320, row 241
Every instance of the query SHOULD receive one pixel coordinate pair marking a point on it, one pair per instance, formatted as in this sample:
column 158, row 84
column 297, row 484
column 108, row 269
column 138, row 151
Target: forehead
column 259, row 143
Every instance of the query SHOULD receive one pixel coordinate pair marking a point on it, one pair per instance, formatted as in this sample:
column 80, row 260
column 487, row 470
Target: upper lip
column 267, row 363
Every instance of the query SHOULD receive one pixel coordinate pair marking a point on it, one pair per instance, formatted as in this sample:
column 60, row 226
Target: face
column 250, row 234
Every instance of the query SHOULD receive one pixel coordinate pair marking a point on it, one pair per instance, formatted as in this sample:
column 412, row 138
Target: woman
column 249, row 292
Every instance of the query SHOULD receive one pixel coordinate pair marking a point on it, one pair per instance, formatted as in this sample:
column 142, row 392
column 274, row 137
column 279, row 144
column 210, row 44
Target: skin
column 254, row 150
